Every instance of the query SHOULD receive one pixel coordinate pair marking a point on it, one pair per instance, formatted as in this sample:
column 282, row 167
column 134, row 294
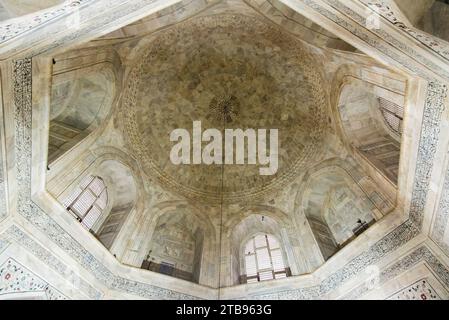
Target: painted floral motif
column 14, row 278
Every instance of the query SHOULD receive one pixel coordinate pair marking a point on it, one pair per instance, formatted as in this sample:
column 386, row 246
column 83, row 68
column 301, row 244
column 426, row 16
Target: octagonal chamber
column 224, row 224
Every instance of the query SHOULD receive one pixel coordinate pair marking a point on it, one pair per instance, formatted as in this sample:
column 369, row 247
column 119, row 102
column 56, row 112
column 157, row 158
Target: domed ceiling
column 263, row 77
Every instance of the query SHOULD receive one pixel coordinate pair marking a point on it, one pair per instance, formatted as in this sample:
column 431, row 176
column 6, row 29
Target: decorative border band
column 438, row 46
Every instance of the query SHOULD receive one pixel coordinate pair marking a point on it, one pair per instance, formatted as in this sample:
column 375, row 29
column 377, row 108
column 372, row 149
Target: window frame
column 87, row 214
column 275, row 273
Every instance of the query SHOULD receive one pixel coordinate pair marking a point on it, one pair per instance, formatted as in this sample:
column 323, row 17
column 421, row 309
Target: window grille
column 393, row 115
column 263, row 259
column 88, row 201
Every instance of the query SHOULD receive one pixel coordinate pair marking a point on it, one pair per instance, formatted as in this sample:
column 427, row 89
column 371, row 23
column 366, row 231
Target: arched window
column 88, row 201
column 263, row 259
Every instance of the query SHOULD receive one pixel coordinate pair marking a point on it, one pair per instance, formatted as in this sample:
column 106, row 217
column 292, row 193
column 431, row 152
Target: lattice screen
column 393, row 115
column 263, row 259
column 88, row 201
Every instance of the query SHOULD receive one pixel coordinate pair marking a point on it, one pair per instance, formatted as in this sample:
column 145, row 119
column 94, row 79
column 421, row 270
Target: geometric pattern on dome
column 228, row 67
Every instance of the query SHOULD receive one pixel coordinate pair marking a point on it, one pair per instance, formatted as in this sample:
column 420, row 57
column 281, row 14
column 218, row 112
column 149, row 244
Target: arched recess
column 84, row 92
column 370, row 107
column 336, row 209
column 124, row 198
column 259, row 220
column 180, row 240
column 318, row 195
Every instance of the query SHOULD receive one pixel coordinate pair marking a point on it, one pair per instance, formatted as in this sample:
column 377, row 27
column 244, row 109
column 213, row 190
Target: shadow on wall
column 79, row 103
